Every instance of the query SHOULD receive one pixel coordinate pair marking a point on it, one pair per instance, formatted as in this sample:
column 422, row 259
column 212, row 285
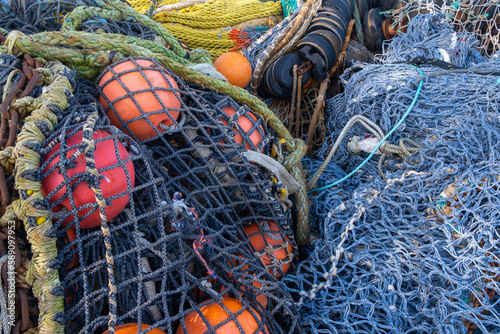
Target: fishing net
column 297, row 118
column 478, row 16
column 218, row 26
column 414, row 250
column 432, row 37
column 188, row 223
column 34, row 16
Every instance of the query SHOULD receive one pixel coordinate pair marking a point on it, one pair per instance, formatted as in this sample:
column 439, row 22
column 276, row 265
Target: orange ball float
column 246, row 125
column 133, row 328
column 146, row 101
column 215, row 314
column 259, row 240
column 235, row 68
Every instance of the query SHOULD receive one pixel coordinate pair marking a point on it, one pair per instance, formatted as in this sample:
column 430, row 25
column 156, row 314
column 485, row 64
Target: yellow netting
column 207, row 25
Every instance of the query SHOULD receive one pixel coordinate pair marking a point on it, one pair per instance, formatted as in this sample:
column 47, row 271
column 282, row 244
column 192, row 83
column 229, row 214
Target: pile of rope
column 218, row 26
column 409, row 241
column 196, row 197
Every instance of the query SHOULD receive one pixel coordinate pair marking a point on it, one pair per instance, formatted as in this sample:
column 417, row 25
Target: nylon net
column 35, row 16
column 416, row 251
column 480, row 17
column 171, row 226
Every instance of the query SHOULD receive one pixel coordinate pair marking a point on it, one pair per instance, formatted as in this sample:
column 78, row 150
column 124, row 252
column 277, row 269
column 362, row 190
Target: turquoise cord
column 383, row 139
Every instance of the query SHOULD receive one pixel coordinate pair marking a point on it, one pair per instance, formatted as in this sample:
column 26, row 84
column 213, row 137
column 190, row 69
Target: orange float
column 235, row 68
column 133, row 328
column 246, row 125
column 214, row 314
column 259, row 241
column 125, row 106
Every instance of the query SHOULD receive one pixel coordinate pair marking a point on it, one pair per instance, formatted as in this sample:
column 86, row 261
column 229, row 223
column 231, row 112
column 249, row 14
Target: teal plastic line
column 383, row 139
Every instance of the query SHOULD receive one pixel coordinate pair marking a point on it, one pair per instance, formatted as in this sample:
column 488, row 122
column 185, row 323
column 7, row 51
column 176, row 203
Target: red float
column 114, row 180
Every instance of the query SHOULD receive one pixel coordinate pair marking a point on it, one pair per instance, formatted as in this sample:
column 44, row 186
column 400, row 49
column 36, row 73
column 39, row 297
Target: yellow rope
column 206, row 25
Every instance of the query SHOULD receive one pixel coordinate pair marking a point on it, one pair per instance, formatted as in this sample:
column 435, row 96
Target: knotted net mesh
column 480, row 17
column 193, row 228
column 35, row 16
column 417, row 251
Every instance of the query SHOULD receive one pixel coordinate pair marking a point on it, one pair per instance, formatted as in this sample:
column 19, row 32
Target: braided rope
column 283, row 40
column 102, row 50
column 44, row 279
column 4, row 318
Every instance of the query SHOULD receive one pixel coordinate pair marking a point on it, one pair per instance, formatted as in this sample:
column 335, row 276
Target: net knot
column 183, row 213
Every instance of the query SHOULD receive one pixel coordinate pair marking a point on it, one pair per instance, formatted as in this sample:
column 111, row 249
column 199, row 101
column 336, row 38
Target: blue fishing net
column 414, row 250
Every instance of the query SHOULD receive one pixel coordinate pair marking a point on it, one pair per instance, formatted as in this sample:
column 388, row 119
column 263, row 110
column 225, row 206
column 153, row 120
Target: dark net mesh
column 196, row 234
column 34, row 16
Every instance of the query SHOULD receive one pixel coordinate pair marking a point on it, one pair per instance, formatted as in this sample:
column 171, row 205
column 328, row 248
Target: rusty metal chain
column 10, row 117
column 8, row 135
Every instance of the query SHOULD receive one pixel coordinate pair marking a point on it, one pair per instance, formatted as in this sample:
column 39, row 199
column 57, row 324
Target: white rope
column 4, row 319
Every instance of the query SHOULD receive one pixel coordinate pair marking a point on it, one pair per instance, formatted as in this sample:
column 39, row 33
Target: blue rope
column 383, row 139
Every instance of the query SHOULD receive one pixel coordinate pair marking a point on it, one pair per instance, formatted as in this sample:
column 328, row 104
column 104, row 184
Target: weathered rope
column 44, row 279
column 95, row 54
column 5, row 323
column 320, row 101
column 283, row 40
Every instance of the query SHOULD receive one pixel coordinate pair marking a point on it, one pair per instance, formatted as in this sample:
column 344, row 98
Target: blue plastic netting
column 417, row 252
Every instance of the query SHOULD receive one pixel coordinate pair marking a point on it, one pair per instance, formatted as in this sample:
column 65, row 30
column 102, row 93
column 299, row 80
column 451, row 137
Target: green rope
column 131, row 13
column 88, row 54
column 359, row 26
column 37, row 224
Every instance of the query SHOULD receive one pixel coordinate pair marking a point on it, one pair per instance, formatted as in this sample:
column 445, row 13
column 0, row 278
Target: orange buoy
column 246, row 125
column 129, row 107
column 133, row 328
column 235, row 68
column 259, row 240
column 214, row 314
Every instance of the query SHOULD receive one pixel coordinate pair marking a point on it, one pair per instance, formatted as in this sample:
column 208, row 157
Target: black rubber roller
column 282, row 72
column 336, row 17
column 372, row 23
column 364, row 6
column 268, row 87
column 348, row 3
column 386, row 5
column 278, row 78
column 345, row 6
column 321, row 25
column 333, row 39
column 334, row 8
column 320, row 52
column 326, row 24
column 320, row 45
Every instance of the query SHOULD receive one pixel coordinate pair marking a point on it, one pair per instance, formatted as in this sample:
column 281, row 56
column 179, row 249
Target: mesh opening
column 179, row 245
